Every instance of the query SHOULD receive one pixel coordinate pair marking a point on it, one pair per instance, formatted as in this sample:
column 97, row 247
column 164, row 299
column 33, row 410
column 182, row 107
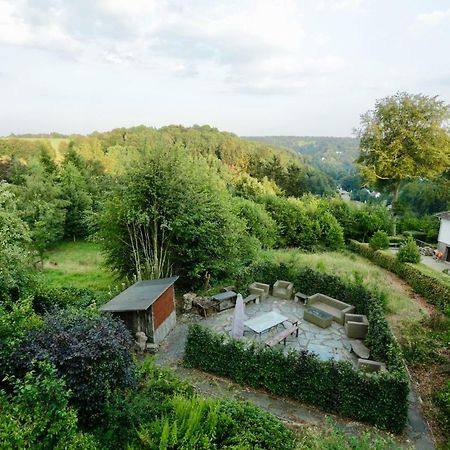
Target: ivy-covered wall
column 378, row 398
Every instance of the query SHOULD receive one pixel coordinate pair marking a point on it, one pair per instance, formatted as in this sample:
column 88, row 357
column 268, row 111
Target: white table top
column 265, row 321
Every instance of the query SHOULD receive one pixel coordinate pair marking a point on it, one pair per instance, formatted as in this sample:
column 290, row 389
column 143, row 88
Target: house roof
column 444, row 215
column 140, row 296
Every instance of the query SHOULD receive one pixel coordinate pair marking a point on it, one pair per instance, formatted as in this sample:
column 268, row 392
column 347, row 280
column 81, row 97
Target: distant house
column 147, row 306
column 444, row 234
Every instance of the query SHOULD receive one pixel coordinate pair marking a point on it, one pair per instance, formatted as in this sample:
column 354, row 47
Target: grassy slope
column 347, row 265
column 78, row 264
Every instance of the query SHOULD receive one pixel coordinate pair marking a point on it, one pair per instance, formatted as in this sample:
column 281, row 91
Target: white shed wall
column 444, row 232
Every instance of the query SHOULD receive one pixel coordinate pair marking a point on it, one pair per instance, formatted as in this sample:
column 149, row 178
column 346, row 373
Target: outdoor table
column 265, row 322
column 225, row 300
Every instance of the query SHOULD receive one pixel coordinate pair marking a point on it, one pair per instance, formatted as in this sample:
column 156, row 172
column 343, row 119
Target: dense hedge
column 379, row 399
column 429, row 287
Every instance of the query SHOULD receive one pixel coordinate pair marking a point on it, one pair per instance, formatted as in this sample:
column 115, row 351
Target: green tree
column 41, row 207
column 259, row 224
column 171, row 212
column 403, row 138
column 75, row 192
column 15, row 240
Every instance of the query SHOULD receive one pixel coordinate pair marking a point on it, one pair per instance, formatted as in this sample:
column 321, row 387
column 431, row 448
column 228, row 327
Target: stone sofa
column 332, row 306
column 283, row 289
column 260, row 289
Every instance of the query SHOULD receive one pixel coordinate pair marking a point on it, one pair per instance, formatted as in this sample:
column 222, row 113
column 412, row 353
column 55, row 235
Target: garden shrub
column 379, row 240
column 45, row 299
column 91, row 353
column 38, row 416
column 409, row 253
column 127, row 410
column 215, row 424
column 431, row 288
column 442, row 400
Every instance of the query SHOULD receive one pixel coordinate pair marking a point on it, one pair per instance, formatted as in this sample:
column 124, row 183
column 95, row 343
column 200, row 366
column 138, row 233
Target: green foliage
column 91, row 353
column 333, row 437
column 211, row 424
column 360, row 222
column 421, row 344
column 41, row 207
column 409, row 252
column 17, row 318
column 45, row 299
column 332, row 155
column 424, row 283
column 427, row 225
column 38, row 416
column 259, row 223
column 427, row 196
column 379, row 240
column 379, row 399
column 127, row 410
column 244, row 185
column 15, row 279
column 304, row 223
column 403, row 138
column 171, row 212
column 442, row 400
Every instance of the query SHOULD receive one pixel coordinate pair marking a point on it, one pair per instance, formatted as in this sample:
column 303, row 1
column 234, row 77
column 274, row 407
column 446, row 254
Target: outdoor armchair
column 283, row 289
column 260, row 289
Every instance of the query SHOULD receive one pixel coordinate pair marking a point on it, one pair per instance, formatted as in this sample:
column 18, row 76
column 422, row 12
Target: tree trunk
column 394, row 208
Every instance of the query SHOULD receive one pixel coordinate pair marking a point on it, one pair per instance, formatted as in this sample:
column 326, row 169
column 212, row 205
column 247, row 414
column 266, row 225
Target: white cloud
column 262, row 45
column 434, row 18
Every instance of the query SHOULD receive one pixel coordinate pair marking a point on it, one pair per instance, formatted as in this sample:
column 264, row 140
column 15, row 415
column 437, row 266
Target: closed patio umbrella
column 237, row 326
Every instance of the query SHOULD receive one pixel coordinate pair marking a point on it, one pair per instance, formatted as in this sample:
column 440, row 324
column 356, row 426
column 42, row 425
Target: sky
column 252, row 67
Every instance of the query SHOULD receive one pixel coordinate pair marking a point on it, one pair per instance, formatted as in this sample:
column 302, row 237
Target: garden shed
column 147, row 306
column 444, row 234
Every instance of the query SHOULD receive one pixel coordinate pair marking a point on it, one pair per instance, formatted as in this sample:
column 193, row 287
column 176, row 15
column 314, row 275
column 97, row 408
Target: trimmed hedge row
column 379, row 398
column 431, row 288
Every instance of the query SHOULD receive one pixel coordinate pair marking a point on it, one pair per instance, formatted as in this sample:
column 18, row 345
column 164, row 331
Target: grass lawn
column 347, row 265
column 77, row 264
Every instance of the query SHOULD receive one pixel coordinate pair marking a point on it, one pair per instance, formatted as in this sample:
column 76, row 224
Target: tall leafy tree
column 404, row 137
column 171, row 212
column 41, row 207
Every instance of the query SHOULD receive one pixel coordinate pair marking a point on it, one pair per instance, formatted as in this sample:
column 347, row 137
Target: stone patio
column 327, row 343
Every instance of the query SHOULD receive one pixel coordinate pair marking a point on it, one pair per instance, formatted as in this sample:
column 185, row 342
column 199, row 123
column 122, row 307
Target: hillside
column 333, row 155
column 111, row 148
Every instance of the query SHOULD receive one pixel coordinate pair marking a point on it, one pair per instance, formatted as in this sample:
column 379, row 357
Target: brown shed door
column 163, row 307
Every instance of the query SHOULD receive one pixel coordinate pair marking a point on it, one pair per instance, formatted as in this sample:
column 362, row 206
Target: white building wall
column 444, row 232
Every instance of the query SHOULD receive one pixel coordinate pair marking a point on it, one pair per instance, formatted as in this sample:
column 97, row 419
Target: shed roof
column 140, row 296
column 444, row 215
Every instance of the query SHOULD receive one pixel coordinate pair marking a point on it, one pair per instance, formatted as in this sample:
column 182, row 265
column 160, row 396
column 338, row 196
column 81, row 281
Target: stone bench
column 282, row 336
column 252, row 298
